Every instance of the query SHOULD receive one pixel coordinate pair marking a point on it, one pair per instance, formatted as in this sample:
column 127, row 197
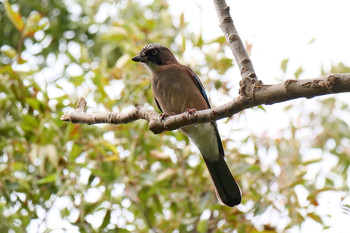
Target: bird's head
column 154, row 55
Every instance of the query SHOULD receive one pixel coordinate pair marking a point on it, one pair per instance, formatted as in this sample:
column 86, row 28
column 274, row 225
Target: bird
column 177, row 89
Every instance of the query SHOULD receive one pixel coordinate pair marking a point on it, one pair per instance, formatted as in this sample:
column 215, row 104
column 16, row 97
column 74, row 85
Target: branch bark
column 253, row 93
column 233, row 39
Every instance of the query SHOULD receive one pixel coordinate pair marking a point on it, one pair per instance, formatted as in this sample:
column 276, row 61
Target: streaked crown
column 156, row 54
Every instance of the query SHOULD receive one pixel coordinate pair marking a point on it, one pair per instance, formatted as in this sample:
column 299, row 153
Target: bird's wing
column 204, row 94
column 227, row 189
column 199, row 84
column 158, row 105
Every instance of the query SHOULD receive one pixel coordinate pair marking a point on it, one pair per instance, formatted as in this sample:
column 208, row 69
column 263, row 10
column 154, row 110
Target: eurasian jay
column 176, row 89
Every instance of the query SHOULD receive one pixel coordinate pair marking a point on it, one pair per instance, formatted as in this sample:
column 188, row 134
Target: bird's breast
column 173, row 93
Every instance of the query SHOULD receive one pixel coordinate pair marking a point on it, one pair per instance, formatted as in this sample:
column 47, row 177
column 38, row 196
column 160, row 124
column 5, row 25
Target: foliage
column 56, row 175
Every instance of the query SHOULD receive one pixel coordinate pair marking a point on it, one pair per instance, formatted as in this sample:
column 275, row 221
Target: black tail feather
column 226, row 186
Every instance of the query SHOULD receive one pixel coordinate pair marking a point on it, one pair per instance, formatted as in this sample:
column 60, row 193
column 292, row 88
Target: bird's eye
column 154, row 52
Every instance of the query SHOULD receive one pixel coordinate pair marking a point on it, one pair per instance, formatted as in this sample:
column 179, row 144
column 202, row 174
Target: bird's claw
column 163, row 116
column 191, row 111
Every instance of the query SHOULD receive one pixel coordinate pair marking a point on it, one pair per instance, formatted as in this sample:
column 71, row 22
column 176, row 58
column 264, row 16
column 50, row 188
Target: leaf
column 220, row 40
column 114, row 34
column 315, row 217
column 122, row 61
column 284, row 64
column 288, row 107
column 298, row 72
column 202, row 226
column 160, row 155
column 200, row 41
column 224, row 64
column 14, row 16
column 106, row 219
column 33, row 24
column 48, row 179
column 311, row 161
column 8, row 51
column 261, row 107
column 218, row 84
column 112, row 158
column 33, row 102
column 311, row 41
column 166, row 174
column 182, row 20
column 29, row 123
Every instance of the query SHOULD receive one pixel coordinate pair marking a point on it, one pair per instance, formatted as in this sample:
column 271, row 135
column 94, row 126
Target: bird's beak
column 139, row 58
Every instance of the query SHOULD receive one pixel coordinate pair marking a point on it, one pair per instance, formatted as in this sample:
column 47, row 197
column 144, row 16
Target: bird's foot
column 191, row 111
column 163, row 116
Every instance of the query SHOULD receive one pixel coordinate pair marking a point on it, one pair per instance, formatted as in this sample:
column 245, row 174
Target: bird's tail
column 227, row 189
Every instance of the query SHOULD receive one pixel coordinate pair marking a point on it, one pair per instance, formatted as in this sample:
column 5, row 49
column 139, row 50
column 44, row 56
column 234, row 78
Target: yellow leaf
column 8, row 51
column 159, row 155
column 123, row 60
column 14, row 16
column 112, row 158
column 33, row 25
column 114, row 33
column 166, row 174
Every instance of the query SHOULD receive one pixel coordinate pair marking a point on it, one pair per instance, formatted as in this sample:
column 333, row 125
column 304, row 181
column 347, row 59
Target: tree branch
column 253, row 93
column 80, row 116
column 234, row 41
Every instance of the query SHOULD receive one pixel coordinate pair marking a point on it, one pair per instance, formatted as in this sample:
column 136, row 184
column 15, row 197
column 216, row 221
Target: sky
column 310, row 33
column 277, row 29
column 280, row 29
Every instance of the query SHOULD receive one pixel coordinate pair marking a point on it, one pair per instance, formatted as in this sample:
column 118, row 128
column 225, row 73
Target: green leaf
column 202, row 226
column 106, row 219
column 315, row 217
column 284, row 64
column 298, row 72
column 312, row 41
column 311, row 161
column 8, row 51
column 34, row 103
column 48, row 179
column 224, row 64
column 29, row 123
column 200, row 41
column 261, row 107
column 220, row 40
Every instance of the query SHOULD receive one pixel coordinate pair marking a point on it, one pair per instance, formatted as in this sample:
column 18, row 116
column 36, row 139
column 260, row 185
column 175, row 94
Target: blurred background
column 291, row 159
